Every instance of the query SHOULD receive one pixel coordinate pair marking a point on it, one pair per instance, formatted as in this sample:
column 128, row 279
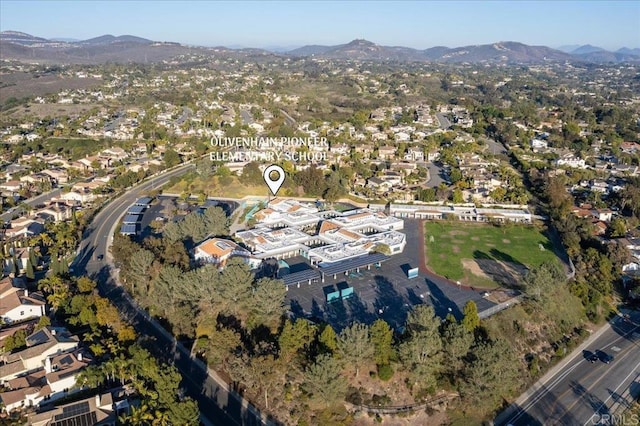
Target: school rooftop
column 288, row 228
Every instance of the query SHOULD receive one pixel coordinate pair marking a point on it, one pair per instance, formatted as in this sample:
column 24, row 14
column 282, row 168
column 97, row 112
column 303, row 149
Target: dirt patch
column 475, row 238
column 455, row 249
column 442, row 256
column 457, row 232
column 457, row 241
column 504, row 273
column 504, row 240
column 419, row 418
column 489, row 244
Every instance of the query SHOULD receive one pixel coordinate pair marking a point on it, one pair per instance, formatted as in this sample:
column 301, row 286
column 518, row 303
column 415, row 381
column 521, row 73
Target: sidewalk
column 510, row 411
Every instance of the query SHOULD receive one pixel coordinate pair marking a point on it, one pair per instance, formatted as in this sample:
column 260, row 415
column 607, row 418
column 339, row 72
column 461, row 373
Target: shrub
column 385, row 372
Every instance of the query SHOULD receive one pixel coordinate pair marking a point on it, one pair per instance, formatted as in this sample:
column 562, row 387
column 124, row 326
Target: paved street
column 585, row 393
column 40, row 199
column 444, row 121
column 217, row 403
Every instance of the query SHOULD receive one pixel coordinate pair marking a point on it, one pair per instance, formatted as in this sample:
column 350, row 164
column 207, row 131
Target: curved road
column 218, row 404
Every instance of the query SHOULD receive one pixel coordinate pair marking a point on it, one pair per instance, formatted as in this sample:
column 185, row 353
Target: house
column 114, row 153
column 11, row 186
column 56, row 379
column 378, row 184
column 56, row 212
column 56, row 175
column 571, row 160
column 19, row 255
column 98, row 410
column 537, row 144
column 386, row 152
column 24, row 227
column 217, row 251
column 414, row 154
column 46, row 342
column 13, row 169
column 19, row 304
column 433, row 155
column 78, row 197
column 36, row 178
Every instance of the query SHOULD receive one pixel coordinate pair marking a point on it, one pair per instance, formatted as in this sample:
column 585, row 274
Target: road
column 444, row 121
column 288, row 120
column 246, row 117
column 217, row 403
column 578, row 392
column 437, row 175
column 34, row 201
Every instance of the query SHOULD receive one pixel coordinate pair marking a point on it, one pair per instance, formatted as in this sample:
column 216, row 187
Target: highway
column 579, row 392
column 218, row 405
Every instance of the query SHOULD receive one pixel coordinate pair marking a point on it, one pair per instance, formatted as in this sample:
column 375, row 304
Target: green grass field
column 484, row 255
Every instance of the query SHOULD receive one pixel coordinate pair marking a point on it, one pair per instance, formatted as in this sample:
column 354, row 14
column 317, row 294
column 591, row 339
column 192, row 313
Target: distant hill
column 606, row 56
column 109, row 39
column 23, row 39
column 497, row 52
column 587, row 48
column 128, row 48
column 568, row 48
column 627, row 51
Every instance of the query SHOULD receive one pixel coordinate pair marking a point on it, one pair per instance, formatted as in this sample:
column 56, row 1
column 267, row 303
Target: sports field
column 485, row 255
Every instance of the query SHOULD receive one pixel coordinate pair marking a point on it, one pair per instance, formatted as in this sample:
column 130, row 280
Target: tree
column 354, row 345
column 421, row 353
column 43, row 322
column 137, row 274
column 295, row 337
column 85, row 285
column 382, row 339
column 541, row 281
column 29, row 272
column 492, row 373
column 328, row 339
column 17, row 340
column 456, row 342
column 618, row 227
column 323, row 381
column 457, row 197
column 470, row 320
column 171, row 158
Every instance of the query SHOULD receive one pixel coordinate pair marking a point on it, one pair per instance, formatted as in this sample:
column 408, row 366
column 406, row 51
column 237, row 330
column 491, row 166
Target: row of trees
column 123, row 362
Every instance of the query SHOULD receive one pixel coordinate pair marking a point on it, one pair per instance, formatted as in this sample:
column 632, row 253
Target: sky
column 418, row 24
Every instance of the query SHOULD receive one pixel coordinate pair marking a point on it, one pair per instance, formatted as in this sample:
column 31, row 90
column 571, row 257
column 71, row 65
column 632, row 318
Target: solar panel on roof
column 131, row 218
column 87, row 419
column 302, row 276
column 143, row 201
column 128, row 229
column 136, row 209
column 351, row 264
column 73, row 410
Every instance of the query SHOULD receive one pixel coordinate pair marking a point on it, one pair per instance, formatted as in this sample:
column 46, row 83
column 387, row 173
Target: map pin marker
column 273, row 184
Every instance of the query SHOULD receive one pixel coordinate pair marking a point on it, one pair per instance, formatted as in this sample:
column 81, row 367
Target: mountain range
column 128, row 48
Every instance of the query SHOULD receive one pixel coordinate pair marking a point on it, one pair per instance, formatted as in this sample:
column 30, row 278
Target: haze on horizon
column 607, row 24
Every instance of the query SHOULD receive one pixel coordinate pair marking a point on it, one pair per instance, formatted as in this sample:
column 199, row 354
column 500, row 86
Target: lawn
column 485, row 255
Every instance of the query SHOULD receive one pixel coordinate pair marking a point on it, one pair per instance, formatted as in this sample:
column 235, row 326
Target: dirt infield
column 505, row 273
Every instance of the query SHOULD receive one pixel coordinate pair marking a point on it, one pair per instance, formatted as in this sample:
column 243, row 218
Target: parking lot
column 383, row 292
